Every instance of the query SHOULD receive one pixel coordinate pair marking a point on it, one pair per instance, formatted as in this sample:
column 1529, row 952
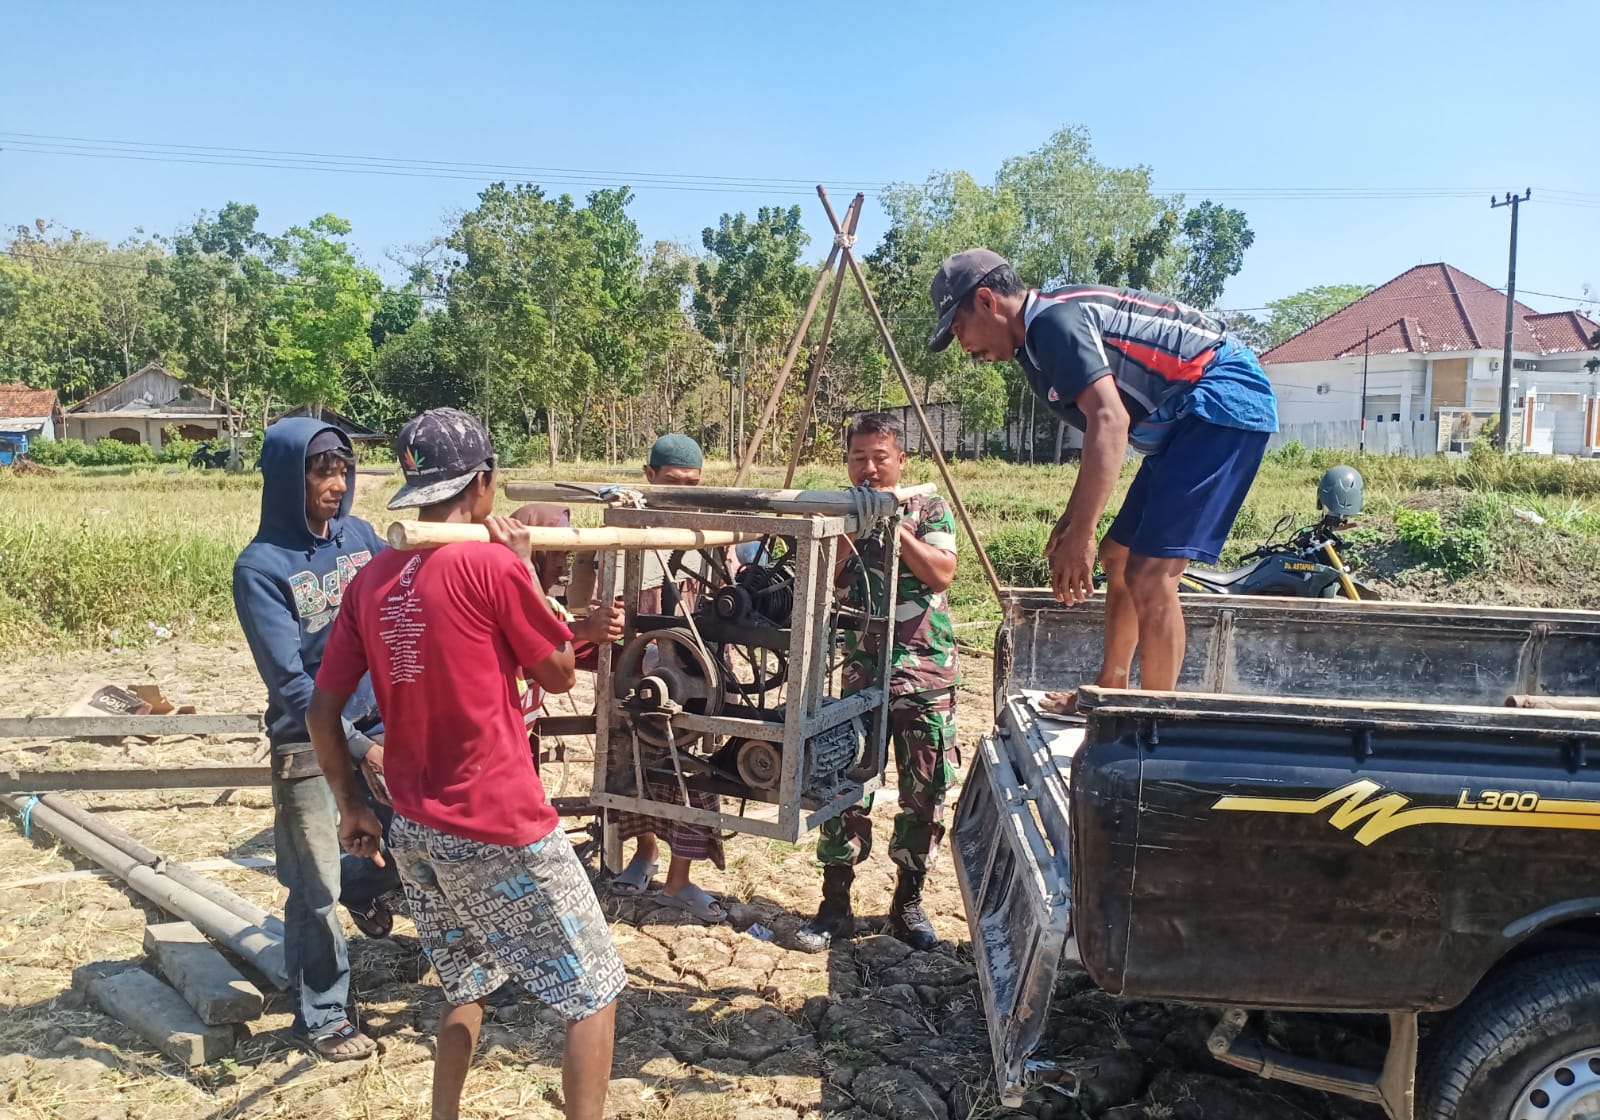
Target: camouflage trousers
column 923, row 728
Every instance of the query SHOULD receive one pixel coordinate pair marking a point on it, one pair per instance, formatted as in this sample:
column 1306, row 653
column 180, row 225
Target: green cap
column 675, row 450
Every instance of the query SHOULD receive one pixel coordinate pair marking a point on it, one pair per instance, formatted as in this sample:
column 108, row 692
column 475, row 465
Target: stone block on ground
column 86, row 974
column 213, row 987
column 156, row 1013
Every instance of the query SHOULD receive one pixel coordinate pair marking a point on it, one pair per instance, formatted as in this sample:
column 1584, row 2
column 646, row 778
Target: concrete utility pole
column 1366, row 352
column 1513, row 201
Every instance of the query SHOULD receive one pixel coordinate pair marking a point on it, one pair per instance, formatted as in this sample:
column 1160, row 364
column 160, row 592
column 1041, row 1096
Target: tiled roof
column 1563, row 331
column 1432, row 309
column 20, row 401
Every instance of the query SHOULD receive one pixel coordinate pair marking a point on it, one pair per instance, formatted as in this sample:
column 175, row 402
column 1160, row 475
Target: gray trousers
column 306, row 834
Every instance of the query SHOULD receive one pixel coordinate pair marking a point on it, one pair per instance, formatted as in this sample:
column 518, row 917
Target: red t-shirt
column 445, row 633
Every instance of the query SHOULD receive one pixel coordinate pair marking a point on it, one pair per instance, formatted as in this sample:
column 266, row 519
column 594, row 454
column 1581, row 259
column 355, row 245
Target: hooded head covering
column 288, row 583
column 545, row 515
column 284, row 451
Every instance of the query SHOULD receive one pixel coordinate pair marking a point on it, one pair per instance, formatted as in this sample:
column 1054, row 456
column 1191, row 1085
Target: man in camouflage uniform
column 922, row 706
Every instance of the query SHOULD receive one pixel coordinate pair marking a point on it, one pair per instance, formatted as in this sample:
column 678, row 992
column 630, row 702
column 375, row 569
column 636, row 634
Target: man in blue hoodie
column 287, row 586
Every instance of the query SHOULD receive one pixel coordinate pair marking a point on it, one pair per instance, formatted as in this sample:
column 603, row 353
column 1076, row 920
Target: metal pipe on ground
column 248, row 940
column 178, row 872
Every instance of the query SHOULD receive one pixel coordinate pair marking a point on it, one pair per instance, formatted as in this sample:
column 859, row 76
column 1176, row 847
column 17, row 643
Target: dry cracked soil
column 717, row 1022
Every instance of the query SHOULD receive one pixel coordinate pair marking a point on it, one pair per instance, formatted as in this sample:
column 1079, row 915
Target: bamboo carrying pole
column 406, row 535
column 731, row 499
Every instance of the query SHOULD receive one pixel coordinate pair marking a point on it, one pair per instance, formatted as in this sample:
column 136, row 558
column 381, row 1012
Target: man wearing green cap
column 674, row 460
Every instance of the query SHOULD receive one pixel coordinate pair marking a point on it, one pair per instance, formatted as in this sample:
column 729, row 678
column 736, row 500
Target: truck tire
column 1524, row 1046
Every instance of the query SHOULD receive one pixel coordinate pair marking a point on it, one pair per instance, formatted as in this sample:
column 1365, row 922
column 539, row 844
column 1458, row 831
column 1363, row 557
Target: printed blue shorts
column 1185, row 498
column 487, row 914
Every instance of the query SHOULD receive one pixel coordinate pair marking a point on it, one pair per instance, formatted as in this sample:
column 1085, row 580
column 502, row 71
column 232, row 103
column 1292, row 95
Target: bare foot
column 1060, row 703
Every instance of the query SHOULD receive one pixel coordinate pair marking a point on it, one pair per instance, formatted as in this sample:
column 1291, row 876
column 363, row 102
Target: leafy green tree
column 322, row 315
column 751, row 287
column 524, row 297
column 1293, row 314
column 397, row 312
column 1249, row 328
column 676, row 357
column 412, row 372
column 1217, row 238
column 75, row 313
column 944, row 215
column 1083, row 221
column 218, row 290
column 612, row 324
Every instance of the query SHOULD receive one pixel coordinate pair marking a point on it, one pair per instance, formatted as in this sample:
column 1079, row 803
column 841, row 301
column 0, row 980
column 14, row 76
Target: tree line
column 555, row 322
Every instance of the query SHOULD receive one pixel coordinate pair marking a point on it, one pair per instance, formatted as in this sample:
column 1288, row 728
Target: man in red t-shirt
column 495, row 889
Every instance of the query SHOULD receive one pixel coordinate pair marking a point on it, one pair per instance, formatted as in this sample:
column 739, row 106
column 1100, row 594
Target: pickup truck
column 1336, row 812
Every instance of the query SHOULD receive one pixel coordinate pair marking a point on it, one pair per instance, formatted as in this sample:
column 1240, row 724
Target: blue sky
column 1223, row 100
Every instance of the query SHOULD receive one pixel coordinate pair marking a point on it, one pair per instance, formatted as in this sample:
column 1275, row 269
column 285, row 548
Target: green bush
column 103, row 453
column 58, row 452
column 1456, row 550
column 1291, row 454
column 114, row 453
column 1017, row 553
column 177, row 450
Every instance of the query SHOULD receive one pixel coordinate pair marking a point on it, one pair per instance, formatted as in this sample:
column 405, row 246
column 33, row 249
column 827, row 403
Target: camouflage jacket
column 924, row 639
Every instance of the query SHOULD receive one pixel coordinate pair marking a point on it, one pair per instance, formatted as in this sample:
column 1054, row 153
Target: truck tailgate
column 1011, row 845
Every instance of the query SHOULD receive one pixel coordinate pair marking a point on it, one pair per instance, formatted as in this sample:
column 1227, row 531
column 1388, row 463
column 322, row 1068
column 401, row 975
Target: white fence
column 1387, row 437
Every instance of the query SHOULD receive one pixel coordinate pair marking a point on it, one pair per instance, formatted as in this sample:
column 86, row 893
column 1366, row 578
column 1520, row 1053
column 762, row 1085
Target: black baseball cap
column 440, row 452
column 957, row 276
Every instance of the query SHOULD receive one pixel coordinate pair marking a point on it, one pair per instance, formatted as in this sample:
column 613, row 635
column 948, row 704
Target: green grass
column 101, row 556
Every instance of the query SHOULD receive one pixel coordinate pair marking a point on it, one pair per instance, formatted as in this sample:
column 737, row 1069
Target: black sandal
column 331, row 1044
column 373, row 918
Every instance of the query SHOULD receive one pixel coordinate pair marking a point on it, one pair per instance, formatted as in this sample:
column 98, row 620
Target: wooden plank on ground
column 75, row 727
column 188, row 777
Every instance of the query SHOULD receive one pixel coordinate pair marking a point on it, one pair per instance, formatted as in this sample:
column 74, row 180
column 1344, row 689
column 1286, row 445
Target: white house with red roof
column 1431, row 342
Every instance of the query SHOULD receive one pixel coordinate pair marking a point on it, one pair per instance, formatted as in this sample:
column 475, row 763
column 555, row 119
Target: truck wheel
column 1524, row 1046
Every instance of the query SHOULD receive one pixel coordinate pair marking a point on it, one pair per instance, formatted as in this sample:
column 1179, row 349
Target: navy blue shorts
column 1184, row 499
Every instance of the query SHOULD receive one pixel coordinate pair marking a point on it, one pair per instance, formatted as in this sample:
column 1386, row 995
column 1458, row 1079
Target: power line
column 853, row 315
column 194, row 154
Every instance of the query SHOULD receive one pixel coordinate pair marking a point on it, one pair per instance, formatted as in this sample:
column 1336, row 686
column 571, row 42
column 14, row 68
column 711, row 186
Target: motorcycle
column 1310, row 565
column 206, row 457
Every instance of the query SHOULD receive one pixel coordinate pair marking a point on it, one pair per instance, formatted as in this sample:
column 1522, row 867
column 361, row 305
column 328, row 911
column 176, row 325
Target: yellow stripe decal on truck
column 1357, row 807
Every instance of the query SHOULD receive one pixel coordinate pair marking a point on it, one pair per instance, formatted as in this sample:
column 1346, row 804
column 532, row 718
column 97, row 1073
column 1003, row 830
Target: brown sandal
column 344, row 1043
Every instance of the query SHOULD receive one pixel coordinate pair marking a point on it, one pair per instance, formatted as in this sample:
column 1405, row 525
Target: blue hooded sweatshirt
column 288, row 584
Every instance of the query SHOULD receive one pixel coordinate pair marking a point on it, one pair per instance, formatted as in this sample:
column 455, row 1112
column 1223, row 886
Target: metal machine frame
column 809, row 706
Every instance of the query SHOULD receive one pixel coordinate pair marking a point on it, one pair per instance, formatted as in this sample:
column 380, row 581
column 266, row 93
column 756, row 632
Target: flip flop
column 344, row 1043
column 692, row 900
column 634, row 879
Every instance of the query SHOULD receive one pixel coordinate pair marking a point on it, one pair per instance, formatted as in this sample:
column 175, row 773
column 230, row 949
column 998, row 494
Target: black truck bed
column 1319, row 790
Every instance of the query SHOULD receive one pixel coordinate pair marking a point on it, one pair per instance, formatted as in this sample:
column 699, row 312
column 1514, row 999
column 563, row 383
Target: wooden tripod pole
column 922, row 417
column 747, row 460
column 820, row 355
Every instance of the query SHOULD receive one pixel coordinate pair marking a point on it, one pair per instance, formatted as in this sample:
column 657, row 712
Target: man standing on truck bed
column 1128, row 369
